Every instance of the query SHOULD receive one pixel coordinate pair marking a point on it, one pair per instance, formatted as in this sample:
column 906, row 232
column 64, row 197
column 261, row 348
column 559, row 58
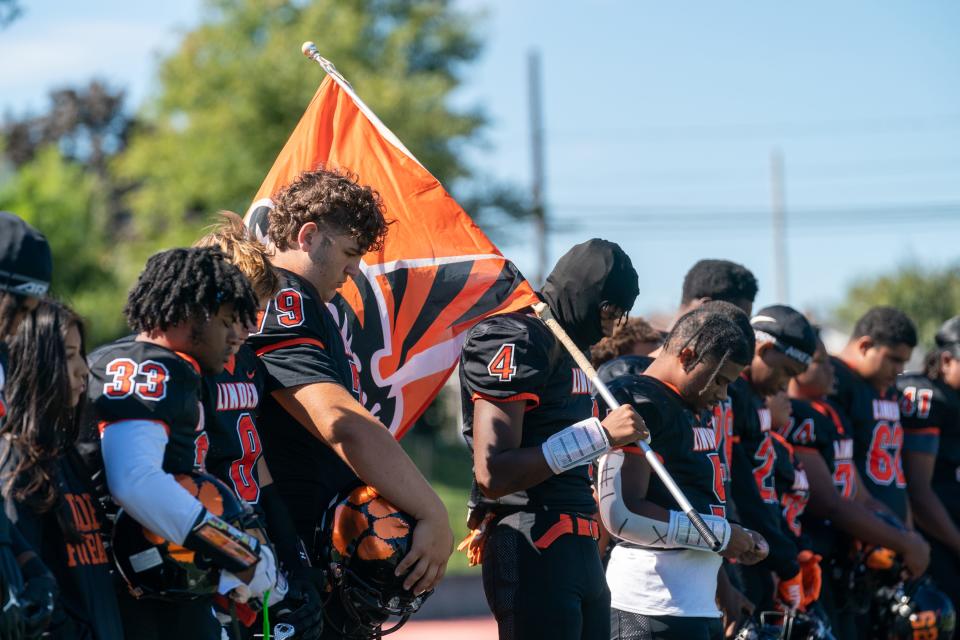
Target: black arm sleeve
column 280, row 527
column 756, row 515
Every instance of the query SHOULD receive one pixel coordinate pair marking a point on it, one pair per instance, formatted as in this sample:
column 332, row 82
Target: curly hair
column 236, row 242
column 625, row 337
column 42, row 426
column 333, row 199
column 181, row 285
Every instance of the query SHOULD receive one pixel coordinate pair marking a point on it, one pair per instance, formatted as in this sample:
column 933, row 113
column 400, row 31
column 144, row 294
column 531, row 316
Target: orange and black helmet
column 366, row 538
column 157, row 568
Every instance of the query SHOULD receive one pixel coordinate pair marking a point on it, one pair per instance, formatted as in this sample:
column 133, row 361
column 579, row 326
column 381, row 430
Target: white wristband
column 578, row 444
column 682, row 533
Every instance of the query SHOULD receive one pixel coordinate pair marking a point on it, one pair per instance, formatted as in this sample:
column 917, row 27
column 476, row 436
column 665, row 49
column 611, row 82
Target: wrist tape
column 227, row 546
column 682, row 533
column 578, row 444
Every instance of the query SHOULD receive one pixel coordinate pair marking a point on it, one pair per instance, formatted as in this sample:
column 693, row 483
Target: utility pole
column 778, row 201
column 537, row 156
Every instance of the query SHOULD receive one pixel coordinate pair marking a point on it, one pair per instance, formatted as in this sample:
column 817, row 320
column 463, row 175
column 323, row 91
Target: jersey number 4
column 147, row 379
column 502, row 365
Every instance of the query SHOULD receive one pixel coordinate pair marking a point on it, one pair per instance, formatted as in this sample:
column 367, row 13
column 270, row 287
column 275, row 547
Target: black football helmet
column 159, row 569
column 779, row 625
column 913, row 610
column 365, row 538
column 865, row 570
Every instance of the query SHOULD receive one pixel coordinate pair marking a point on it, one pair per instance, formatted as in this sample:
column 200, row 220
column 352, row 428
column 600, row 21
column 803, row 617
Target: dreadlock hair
column 886, row 326
column 333, row 199
column 713, row 336
column 719, row 280
column 241, row 248
column 625, row 337
column 181, row 285
column 41, row 426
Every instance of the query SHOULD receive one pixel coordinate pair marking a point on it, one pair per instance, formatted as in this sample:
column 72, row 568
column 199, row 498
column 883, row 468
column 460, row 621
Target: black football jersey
column 720, row 416
column 231, row 401
column 684, row 440
column 792, row 486
column 930, row 411
column 132, row 380
column 515, row 357
column 621, row 366
column 299, row 343
column 877, row 436
column 816, row 426
column 753, row 465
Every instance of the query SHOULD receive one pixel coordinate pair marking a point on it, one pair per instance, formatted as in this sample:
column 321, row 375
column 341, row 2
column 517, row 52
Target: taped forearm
column 577, row 445
column 133, row 458
column 627, row 525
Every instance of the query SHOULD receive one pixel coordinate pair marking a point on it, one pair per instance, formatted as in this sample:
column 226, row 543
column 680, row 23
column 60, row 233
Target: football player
column 784, row 347
column 26, row 266
column 662, row 574
column 824, row 444
column 532, row 426
column 866, row 370
column 146, row 397
column 320, row 438
column 231, row 403
column 930, row 410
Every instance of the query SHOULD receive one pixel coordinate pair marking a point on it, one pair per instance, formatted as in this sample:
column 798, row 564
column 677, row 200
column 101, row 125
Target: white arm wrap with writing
column 632, row 527
column 580, row 443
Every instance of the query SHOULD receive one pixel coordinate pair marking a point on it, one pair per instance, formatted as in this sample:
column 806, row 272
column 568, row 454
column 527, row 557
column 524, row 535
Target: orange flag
column 405, row 317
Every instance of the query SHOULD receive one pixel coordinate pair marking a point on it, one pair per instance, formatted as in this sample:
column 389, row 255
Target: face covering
column 586, row 278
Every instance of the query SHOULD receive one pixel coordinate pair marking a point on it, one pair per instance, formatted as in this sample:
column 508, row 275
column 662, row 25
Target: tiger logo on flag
column 405, row 317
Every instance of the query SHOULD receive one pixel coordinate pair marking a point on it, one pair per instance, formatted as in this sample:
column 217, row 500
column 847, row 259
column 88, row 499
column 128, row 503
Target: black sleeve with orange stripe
column 505, row 358
column 297, row 353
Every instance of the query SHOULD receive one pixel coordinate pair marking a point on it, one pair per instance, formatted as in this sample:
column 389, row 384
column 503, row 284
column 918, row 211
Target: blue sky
column 660, row 120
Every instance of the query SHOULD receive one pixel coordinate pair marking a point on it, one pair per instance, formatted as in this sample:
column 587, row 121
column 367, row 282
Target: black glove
column 37, row 603
column 302, row 608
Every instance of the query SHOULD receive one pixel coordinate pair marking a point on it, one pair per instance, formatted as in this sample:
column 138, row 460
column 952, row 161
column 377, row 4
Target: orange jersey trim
column 924, row 431
column 191, row 360
column 532, row 399
column 289, row 343
column 103, row 424
column 806, row 449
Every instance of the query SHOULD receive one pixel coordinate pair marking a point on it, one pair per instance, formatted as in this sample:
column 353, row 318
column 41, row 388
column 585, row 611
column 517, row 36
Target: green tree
column 62, row 199
column 233, row 91
column 928, row 296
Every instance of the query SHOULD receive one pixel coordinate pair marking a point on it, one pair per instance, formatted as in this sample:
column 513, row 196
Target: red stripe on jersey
column 231, row 365
column 532, row 399
column 923, row 431
column 289, row 343
column 103, row 424
column 806, row 449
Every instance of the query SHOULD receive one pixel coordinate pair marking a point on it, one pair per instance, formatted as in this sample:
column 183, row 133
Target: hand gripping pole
column 543, row 312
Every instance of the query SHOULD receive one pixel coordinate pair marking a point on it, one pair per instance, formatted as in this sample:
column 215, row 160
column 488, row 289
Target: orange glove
column 811, row 576
column 790, row 591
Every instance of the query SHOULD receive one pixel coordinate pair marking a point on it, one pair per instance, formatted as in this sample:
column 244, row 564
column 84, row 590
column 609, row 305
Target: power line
column 631, row 132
